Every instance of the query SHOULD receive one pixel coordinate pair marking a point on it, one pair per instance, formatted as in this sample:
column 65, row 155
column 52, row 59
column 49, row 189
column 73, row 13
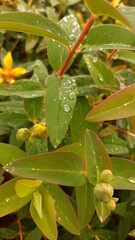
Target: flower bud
column 23, row 134
column 110, row 205
column 41, row 131
column 103, row 192
column 106, row 176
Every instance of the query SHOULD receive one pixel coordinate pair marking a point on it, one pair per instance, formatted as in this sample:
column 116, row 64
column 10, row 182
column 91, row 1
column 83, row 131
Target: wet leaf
column 55, row 167
column 119, row 105
column 96, row 157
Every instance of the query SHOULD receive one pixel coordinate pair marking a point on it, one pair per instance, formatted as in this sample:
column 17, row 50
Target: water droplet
column 66, row 108
column 59, row 218
column 131, row 179
column 94, row 60
column 72, row 37
column 7, row 199
column 33, row 169
column 13, row 169
column 66, row 217
column 126, row 104
column 100, row 77
column 72, row 95
column 93, row 152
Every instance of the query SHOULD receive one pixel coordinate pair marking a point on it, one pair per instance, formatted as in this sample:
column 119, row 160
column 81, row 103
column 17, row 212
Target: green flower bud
column 110, row 205
column 106, row 176
column 23, row 134
column 103, row 192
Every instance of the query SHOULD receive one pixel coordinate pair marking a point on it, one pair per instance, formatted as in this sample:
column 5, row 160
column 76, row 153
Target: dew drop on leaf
column 72, row 95
column 131, row 179
column 66, row 108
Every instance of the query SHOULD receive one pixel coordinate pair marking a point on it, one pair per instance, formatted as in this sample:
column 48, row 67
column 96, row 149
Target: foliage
column 67, row 120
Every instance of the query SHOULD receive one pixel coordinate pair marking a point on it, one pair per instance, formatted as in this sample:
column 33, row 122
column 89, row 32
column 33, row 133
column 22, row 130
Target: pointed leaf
column 125, row 55
column 99, row 71
column 34, row 24
column 96, row 157
column 65, row 213
column 119, row 105
column 124, row 174
column 102, row 212
column 47, row 224
column 55, row 167
column 102, row 7
column 24, row 187
column 110, row 37
column 9, row 153
column 34, row 235
column 85, row 204
column 60, row 100
column 9, row 201
column 37, row 202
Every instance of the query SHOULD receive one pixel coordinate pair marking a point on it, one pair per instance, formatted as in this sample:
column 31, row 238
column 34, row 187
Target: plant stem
column 76, row 45
column 20, row 229
column 119, row 129
column 110, row 56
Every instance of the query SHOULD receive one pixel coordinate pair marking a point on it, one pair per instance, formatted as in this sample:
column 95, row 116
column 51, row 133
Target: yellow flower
column 8, row 73
column 116, row 3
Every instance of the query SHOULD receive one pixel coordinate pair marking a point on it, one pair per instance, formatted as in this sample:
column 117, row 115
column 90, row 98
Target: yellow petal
column 8, row 61
column 115, row 3
column 1, row 70
column 10, row 81
column 1, row 80
column 16, row 72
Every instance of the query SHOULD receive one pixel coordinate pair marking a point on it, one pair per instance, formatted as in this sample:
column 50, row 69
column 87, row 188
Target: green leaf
column 23, row 88
column 102, row 212
column 132, row 233
column 119, row 105
column 110, row 37
column 40, row 71
column 32, row 23
column 65, row 213
column 124, row 174
column 77, row 148
column 78, row 123
column 9, row 153
column 99, row 71
column 9, row 201
column 60, row 100
column 37, row 202
column 12, row 119
column 24, row 187
column 36, row 145
column 55, row 167
column 96, row 157
column 34, row 235
column 125, row 55
column 33, row 107
column 72, row 28
column 85, row 204
column 47, row 224
column 7, row 233
column 115, row 145
column 102, row 7
column 14, row 106
column 129, row 13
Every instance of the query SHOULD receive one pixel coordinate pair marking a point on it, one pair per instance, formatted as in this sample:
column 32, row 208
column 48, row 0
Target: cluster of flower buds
column 39, row 131
column 103, row 190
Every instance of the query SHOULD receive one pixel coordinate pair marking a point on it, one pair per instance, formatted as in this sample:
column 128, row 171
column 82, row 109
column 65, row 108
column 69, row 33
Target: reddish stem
column 110, row 56
column 119, row 129
column 20, row 229
column 76, row 45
